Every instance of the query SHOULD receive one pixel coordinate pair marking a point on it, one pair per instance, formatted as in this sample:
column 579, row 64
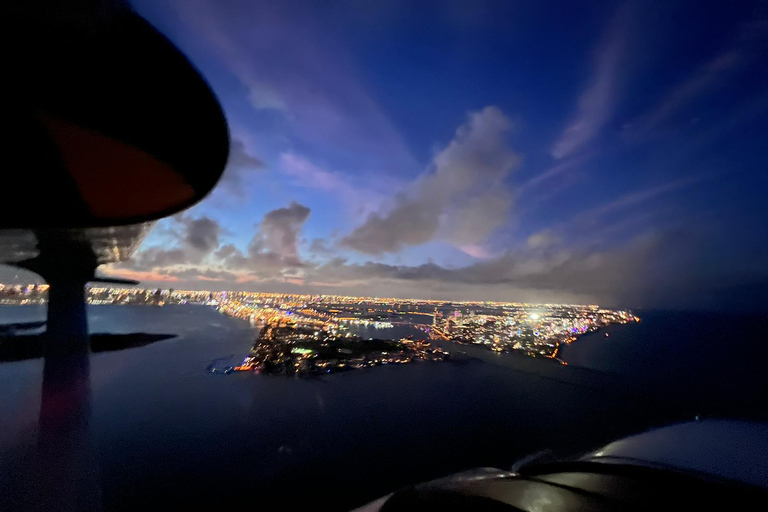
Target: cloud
column 319, row 248
column 597, row 102
column 295, row 69
column 555, row 171
column 654, row 269
column 307, row 174
column 154, row 257
column 145, row 276
column 225, row 251
column 279, row 232
column 202, row 234
column 265, row 97
column 360, row 200
column 634, row 198
column 408, row 223
column 743, row 52
column 462, row 199
column 273, row 251
column 542, row 239
column 240, row 158
column 472, row 222
column 663, row 269
column 477, row 251
column 198, row 238
column 200, row 274
column 704, row 79
column 274, row 248
column 240, row 169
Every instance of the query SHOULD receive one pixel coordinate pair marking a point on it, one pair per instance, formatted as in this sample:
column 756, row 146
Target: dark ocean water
column 167, row 433
column 714, row 363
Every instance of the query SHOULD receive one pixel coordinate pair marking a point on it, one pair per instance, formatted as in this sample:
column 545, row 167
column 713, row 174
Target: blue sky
column 533, row 151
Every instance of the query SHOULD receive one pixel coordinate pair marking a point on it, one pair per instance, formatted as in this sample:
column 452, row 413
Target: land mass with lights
column 316, row 334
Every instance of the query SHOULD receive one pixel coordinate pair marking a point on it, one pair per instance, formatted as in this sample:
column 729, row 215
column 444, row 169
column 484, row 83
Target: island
column 287, row 348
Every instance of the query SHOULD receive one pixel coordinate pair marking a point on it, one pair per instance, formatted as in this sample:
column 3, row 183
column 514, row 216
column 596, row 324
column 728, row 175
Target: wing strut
column 66, row 459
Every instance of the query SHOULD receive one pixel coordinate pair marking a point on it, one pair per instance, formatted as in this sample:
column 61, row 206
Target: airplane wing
column 109, row 244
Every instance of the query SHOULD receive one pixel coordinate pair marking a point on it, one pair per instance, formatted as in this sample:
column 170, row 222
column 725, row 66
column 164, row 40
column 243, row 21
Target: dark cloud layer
column 660, row 270
column 623, row 275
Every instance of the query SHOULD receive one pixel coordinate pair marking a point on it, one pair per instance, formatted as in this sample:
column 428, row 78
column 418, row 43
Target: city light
column 320, row 333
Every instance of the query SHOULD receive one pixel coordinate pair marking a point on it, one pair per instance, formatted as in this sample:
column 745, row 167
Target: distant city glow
column 311, row 333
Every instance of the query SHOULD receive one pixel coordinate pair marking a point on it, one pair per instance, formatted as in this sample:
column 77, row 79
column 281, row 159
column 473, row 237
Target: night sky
column 518, row 151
